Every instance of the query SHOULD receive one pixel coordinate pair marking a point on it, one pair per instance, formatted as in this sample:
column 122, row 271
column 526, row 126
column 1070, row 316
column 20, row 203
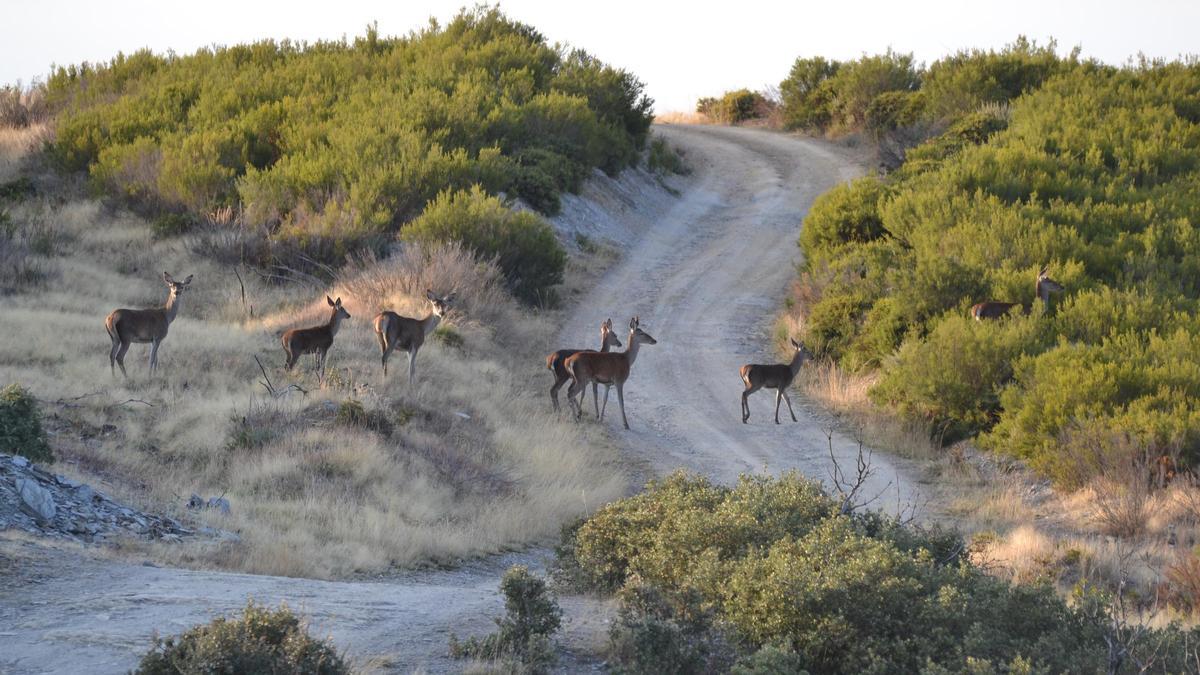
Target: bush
column 21, row 430
column 800, row 586
column 663, row 159
column 734, row 106
column 172, row 224
column 522, row 244
column 807, row 95
column 532, row 616
column 846, row 213
column 259, row 640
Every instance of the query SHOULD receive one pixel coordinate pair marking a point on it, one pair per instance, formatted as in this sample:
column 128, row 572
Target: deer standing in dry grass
column 318, row 339
column 407, row 335
column 610, row 368
column 778, row 377
column 1042, row 290
column 556, row 362
column 126, row 326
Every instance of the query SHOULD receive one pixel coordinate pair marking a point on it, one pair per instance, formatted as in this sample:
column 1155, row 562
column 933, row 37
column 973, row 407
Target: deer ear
column 330, row 301
column 794, row 343
column 633, row 323
column 338, row 302
column 187, row 280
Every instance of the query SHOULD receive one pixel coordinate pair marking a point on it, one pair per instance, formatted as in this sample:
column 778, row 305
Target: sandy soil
column 705, row 277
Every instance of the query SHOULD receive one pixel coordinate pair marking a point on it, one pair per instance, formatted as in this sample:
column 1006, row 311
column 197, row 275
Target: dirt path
column 705, row 279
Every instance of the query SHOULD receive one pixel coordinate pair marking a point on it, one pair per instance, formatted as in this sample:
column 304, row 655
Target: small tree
column 532, row 616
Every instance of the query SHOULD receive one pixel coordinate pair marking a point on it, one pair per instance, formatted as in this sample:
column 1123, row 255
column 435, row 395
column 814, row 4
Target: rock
column 85, row 493
column 20, row 461
column 67, row 482
column 219, row 503
column 195, row 502
column 36, row 500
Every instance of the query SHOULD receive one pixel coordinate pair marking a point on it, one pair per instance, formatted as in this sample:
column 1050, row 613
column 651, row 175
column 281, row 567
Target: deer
column 395, row 331
column 1042, row 290
column 316, row 340
column 609, row 368
column 555, row 362
column 126, row 326
column 777, row 376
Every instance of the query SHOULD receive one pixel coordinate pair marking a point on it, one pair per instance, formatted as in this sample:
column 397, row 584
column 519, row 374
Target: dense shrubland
column 770, row 576
column 1094, row 174
column 333, row 146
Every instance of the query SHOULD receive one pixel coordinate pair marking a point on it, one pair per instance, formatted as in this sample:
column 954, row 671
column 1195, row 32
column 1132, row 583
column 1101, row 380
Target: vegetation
column 1091, row 174
column 259, row 640
column 734, row 106
column 770, row 575
column 21, row 430
column 523, row 642
column 332, row 146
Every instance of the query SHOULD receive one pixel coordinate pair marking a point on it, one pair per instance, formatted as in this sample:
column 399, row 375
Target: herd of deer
column 581, row 366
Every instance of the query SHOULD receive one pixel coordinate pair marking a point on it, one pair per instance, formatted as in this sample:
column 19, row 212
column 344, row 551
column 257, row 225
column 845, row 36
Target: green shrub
column 16, row 190
column 259, row 640
column 352, row 413
column 663, row 159
column 733, row 106
column 449, row 337
column 532, row 616
column 21, row 430
column 807, row 94
column 802, row 587
column 522, row 244
column 846, row 213
column 172, row 224
column 892, row 110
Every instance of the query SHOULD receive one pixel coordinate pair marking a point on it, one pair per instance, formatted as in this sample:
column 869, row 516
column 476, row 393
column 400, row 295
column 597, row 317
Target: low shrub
column 734, row 106
column 352, row 413
column 172, row 224
column 663, row 159
column 21, row 430
column 259, row 640
column 523, row 640
column 522, row 244
column 846, row 213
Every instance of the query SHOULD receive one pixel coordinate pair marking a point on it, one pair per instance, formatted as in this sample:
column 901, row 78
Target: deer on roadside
column 1042, row 290
column 610, row 368
column 126, row 326
column 777, row 376
column 407, row 335
column 316, row 340
column 556, row 362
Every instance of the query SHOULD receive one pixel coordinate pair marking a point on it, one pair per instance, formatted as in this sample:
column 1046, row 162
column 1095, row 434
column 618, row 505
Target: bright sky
column 681, row 50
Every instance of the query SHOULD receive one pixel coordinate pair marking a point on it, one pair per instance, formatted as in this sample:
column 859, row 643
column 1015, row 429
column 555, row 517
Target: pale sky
column 681, row 50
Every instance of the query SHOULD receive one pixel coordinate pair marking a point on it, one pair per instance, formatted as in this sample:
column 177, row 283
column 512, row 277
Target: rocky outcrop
column 39, row 502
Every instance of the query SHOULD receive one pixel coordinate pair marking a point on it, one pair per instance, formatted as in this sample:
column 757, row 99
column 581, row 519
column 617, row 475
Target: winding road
column 705, row 278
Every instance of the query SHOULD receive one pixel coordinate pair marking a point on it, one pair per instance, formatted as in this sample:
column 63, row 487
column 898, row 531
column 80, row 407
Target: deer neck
column 631, row 351
column 797, row 361
column 172, row 307
column 430, row 323
column 335, row 322
column 604, row 346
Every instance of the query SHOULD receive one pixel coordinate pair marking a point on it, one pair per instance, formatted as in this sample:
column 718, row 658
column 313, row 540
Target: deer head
column 339, row 312
column 801, row 354
column 607, row 337
column 441, row 306
column 1046, row 286
column 637, row 335
column 177, row 287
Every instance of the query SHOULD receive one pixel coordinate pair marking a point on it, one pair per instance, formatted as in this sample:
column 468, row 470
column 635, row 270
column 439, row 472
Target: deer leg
column 112, row 355
column 621, row 400
column 745, row 406
column 412, row 366
column 595, row 397
column 320, row 357
column 384, row 350
column 778, row 398
column 154, row 356
column 576, row 408
column 121, row 357
column 789, row 402
column 604, row 407
column 558, row 383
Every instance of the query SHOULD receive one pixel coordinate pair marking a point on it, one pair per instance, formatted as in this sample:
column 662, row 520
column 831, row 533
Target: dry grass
column 16, row 145
column 469, row 461
column 681, row 117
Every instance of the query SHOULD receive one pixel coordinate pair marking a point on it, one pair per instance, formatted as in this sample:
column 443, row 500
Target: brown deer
column 556, row 363
column 610, row 368
column 316, row 340
column 778, row 377
column 1042, row 290
column 407, row 335
column 126, row 326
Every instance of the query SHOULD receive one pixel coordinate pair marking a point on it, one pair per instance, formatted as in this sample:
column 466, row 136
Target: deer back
column 406, row 333
column 603, row 367
column 773, row 376
column 304, row 340
column 138, row 325
column 991, row 310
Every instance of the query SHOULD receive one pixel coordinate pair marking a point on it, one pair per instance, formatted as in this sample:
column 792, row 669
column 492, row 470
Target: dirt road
column 705, row 278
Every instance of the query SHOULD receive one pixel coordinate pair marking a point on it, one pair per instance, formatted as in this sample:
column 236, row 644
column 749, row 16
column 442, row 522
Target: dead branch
column 850, row 491
column 129, row 400
column 270, row 386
